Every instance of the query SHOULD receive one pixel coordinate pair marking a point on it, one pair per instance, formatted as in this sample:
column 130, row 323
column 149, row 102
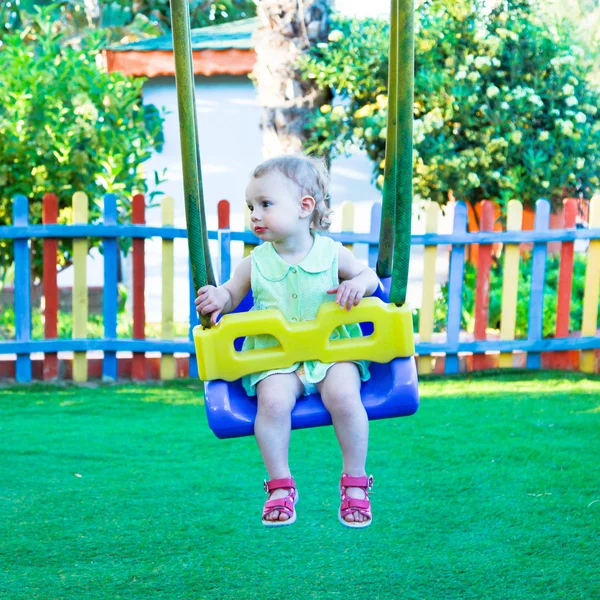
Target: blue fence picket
column 94, row 344
column 171, row 233
column 194, row 320
column 455, row 283
column 538, row 273
column 110, row 290
column 224, row 240
column 374, row 232
column 174, row 346
column 225, row 255
column 23, row 300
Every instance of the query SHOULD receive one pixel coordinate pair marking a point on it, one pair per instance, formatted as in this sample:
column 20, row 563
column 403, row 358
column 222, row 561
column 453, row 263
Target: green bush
column 495, row 306
column 67, row 125
column 118, row 18
column 503, row 106
column 202, row 12
column 95, row 327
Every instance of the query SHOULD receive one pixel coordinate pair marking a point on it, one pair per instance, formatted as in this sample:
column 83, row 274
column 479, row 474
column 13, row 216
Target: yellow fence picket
column 167, row 362
column 510, row 283
column 428, row 290
column 348, row 221
column 592, row 285
column 247, row 247
column 80, row 290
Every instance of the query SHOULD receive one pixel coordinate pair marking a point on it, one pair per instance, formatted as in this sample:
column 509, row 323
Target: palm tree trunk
column 287, row 28
column 92, row 12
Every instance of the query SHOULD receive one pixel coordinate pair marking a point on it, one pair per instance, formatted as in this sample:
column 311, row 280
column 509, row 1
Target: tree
column 120, row 20
column 202, row 12
column 585, row 14
column 287, row 28
column 66, row 126
column 80, row 22
column 503, row 105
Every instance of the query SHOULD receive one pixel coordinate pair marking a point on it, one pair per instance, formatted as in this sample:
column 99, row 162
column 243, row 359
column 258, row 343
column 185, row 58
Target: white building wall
column 230, row 147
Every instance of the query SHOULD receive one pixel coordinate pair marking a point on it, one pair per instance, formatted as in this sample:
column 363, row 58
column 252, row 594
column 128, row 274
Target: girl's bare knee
column 342, row 402
column 275, row 405
column 276, row 396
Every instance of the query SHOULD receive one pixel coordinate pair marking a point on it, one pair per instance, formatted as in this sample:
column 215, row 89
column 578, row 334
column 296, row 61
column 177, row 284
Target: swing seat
column 392, row 391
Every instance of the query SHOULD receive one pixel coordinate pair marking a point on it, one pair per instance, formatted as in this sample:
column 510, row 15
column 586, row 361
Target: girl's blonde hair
column 310, row 175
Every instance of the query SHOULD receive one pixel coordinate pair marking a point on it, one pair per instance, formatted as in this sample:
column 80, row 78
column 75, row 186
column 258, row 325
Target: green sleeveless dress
column 297, row 291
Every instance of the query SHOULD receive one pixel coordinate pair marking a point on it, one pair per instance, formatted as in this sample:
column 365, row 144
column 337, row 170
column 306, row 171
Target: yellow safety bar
column 308, row 340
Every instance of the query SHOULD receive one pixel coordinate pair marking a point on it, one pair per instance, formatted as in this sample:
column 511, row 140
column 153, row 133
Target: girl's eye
column 266, row 204
column 250, row 208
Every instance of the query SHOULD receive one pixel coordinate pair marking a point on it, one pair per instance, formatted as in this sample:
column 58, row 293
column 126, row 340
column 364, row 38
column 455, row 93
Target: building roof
column 225, row 49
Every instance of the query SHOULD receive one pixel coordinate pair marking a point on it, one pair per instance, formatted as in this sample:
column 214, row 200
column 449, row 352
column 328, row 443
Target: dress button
column 294, row 295
column 293, row 270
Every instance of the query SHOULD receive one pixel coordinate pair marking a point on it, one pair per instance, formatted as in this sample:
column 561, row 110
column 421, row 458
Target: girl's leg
column 276, row 396
column 340, row 392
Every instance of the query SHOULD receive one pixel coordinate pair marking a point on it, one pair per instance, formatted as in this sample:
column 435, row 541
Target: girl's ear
column 307, row 206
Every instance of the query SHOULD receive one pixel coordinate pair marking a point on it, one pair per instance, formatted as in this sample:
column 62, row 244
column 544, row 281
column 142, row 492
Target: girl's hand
column 211, row 300
column 349, row 293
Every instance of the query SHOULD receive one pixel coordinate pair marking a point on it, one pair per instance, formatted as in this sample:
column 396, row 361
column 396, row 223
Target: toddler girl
column 294, row 271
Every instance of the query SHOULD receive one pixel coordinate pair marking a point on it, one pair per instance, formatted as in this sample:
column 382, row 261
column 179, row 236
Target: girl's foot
column 356, row 516
column 276, row 515
column 355, row 506
column 280, row 507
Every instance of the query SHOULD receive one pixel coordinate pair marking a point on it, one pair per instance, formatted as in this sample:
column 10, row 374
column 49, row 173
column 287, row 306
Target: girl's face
column 277, row 208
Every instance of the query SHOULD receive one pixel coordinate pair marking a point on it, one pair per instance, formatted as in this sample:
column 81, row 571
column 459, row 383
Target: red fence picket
column 138, row 217
column 482, row 289
column 50, row 245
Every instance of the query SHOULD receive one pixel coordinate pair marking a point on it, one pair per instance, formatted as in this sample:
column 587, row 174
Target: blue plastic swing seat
column 392, row 391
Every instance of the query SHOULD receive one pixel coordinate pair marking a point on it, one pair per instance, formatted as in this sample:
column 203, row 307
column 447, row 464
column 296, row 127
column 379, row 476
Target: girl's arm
column 356, row 280
column 226, row 297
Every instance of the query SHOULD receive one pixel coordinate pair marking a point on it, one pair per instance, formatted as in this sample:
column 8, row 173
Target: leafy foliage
column 503, row 107
column 122, row 20
column 524, row 286
column 66, row 125
column 202, row 12
column 113, row 22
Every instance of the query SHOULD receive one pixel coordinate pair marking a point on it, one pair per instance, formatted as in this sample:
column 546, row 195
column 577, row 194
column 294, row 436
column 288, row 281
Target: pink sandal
column 349, row 505
column 286, row 505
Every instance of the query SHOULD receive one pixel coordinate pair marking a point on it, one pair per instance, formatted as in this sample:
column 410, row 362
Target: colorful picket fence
column 443, row 355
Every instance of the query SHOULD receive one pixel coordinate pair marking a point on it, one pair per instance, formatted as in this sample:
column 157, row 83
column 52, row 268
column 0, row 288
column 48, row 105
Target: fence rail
column 452, row 347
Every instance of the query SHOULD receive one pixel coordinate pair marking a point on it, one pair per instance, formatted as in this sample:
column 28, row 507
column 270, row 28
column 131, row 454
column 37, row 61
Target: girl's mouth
column 260, row 229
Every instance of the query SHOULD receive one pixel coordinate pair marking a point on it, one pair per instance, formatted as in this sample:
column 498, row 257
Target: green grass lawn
column 492, row 490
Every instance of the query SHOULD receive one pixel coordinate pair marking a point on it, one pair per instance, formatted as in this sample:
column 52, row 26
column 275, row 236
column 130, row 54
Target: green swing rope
column 394, row 245
column 394, row 239
column 200, row 259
